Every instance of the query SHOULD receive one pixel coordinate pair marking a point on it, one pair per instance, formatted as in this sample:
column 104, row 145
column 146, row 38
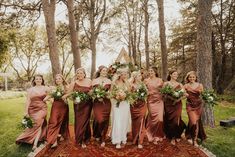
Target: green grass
column 221, row 141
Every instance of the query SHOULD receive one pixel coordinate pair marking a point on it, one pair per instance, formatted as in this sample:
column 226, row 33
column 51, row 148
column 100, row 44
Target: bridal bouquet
column 80, row 97
column 57, row 93
column 209, row 97
column 27, row 122
column 169, row 92
column 99, row 93
column 118, row 94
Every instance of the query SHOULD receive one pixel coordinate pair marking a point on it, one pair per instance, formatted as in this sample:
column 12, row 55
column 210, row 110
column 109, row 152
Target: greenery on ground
column 220, row 140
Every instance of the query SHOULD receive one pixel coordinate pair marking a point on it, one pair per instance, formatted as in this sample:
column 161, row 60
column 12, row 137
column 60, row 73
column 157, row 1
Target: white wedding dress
column 120, row 122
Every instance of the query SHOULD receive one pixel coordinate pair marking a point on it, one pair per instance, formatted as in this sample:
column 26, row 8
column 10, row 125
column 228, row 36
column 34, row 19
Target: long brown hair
column 97, row 74
column 34, row 77
column 155, row 71
column 169, row 74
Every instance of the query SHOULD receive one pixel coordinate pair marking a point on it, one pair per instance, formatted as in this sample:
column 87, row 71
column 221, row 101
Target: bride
column 120, row 108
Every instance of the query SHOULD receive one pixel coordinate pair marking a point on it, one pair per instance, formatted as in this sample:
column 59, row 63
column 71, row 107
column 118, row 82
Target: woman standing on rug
column 59, row 119
column 173, row 124
column 194, row 108
column 101, row 108
column 82, row 107
column 120, row 108
column 36, row 109
column 154, row 124
column 138, row 111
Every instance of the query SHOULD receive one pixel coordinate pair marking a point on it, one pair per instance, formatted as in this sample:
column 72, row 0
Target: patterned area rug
column 93, row 149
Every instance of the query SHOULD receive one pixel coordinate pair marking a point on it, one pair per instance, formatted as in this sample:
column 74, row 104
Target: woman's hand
column 26, row 114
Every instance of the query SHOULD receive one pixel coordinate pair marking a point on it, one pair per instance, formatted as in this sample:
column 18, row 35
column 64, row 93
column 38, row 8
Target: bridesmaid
column 173, row 124
column 194, row 108
column 36, row 109
column 59, row 118
column 154, row 124
column 138, row 110
column 82, row 110
column 101, row 109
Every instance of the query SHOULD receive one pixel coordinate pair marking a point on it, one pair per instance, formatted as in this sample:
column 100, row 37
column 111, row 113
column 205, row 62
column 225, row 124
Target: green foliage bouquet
column 27, row 122
column 169, row 92
column 99, row 93
column 80, row 97
column 140, row 93
column 57, row 93
column 209, row 97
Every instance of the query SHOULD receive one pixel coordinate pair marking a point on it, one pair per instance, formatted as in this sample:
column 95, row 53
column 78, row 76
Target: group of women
column 157, row 118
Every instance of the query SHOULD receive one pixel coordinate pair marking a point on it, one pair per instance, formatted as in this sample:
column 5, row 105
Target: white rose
column 58, row 93
column 176, row 94
column 24, row 121
column 77, row 99
column 142, row 94
column 210, row 98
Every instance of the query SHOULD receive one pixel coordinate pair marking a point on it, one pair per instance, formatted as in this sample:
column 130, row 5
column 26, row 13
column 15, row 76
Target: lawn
column 221, row 141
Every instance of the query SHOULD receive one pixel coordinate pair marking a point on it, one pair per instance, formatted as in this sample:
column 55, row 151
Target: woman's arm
column 68, row 91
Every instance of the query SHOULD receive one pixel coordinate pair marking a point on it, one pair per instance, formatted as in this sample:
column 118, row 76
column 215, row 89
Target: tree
column 146, row 29
column 162, row 38
column 204, row 54
column 73, row 34
column 27, row 49
column 49, row 14
column 96, row 11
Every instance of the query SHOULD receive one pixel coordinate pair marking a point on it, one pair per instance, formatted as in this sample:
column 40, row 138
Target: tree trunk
column 73, row 35
column 215, row 63
column 49, row 14
column 233, row 55
column 204, row 54
column 146, row 30
column 162, row 38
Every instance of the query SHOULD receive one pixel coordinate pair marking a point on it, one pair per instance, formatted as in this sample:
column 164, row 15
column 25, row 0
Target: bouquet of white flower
column 57, row 93
column 209, row 97
column 99, row 93
column 169, row 92
column 79, row 97
column 27, row 122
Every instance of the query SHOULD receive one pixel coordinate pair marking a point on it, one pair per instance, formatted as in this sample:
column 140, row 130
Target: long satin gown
column 58, row 122
column 173, row 123
column 82, row 114
column 138, row 110
column 37, row 110
column 154, row 126
column 101, row 111
column 194, row 109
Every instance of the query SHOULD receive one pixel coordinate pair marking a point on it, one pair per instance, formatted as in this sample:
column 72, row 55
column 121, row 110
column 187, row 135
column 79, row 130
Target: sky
column 171, row 14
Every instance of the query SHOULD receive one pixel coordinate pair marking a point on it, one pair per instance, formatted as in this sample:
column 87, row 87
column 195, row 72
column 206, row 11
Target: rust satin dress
column 58, row 122
column 194, row 109
column 154, row 125
column 173, row 123
column 101, row 111
column 82, row 114
column 138, row 110
column 37, row 111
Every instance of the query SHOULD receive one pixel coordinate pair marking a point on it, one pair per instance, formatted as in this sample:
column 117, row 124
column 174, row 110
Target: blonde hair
column 60, row 75
column 188, row 74
column 134, row 75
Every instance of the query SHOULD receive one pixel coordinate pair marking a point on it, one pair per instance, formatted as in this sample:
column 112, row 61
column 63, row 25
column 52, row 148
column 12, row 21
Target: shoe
column 61, row 138
column 178, row 140
column 155, row 142
column 140, row 146
column 173, row 142
column 83, row 146
column 54, row 145
column 118, row 146
column 102, row 144
column 34, row 148
column 190, row 141
column 124, row 142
